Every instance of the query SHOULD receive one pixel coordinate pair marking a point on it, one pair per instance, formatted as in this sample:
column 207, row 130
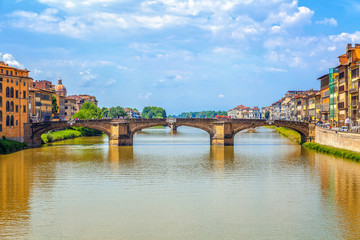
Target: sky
column 182, row 55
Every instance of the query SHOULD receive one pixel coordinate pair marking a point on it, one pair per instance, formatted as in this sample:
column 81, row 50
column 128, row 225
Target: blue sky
column 183, row 55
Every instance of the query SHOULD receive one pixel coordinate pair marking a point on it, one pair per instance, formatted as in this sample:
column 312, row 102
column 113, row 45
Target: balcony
column 354, row 104
column 354, row 89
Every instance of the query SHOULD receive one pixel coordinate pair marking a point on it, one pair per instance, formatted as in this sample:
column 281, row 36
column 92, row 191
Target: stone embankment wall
column 345, row 140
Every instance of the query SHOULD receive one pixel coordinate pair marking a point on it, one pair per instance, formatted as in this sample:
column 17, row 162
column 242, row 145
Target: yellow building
column 14, row 95
column 40, row 104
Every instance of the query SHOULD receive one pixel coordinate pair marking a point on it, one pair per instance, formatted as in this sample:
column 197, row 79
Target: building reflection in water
column 340, row 185
column 15, row 183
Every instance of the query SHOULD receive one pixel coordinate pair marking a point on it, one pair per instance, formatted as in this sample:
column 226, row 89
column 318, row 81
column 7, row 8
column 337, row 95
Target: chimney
column 348, row 47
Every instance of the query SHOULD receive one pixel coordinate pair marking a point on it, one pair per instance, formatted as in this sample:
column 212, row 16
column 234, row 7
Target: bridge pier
column 223, row 134
column 120, row 134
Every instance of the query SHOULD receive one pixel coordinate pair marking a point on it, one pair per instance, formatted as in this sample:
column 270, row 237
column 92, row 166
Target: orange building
column 14, row 101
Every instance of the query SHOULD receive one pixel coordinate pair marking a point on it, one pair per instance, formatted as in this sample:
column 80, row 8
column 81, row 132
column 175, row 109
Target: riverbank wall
column 344, row 140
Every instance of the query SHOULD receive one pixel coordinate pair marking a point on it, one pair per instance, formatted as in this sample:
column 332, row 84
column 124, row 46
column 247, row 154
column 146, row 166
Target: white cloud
column 328, row 21
column 145, row 96
column 221, row 96
column 37, row 72
column 110, row 82
column 272, row 69
column 122, row 67
column 343, row 37
column 9, row 59
column 87, row 75
column 172, row 81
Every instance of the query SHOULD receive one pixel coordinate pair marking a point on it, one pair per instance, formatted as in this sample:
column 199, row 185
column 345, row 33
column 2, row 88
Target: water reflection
column 340, row 185
column 221, row 156
column 175, row 188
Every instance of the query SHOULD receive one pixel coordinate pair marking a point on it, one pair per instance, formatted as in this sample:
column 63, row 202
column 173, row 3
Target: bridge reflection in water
column 48, row 185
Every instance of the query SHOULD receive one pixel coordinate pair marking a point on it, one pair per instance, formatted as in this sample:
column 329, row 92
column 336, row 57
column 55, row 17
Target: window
column 17, row 123
column 17, row 83
column 1, row 116
column 12, row 107
column 11, row 73
column 0, row 87
column 12, row 92
column 12, row 121
column 0, row 127
column 7, row 73
column 341, row 75
column 17, row 108
column 12, row 81
column 7, row 121
column 24, row 94
column 7, row 106
column 0, row 101
column 341, row 88
column 24, row 84
column 24, row 109
column 7, row 92
column 355, row 73
column 1, row 71
column 17, row 94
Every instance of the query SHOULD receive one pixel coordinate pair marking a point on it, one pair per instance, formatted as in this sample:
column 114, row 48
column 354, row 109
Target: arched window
column 12, row 92
column 12, row 106
column 0, row 87
column 7, row 106
column 7, row 121
column 7, row 92
column 12, row 121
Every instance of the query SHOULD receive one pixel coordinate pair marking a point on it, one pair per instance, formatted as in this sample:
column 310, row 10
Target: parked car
column 344, row 129
column 327, row 126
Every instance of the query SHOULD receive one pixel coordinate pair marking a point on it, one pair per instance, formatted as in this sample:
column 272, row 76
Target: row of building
column 41, row 94
column 336, row 103
column 295, row 106
column 23, row 100
column 245, row 112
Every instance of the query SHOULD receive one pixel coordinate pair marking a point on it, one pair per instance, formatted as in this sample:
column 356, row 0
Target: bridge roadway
column 121, row 131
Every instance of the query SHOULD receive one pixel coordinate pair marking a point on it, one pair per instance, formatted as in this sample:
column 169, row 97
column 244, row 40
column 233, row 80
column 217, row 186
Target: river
column 177, row 186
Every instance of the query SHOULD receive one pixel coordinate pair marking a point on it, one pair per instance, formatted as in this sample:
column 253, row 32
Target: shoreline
column 11, row 146
column 320, row 148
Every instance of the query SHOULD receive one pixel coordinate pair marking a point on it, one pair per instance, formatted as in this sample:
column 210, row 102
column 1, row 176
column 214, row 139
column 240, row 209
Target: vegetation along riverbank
column 10, row 146
column 338, row 152
column 69, row 134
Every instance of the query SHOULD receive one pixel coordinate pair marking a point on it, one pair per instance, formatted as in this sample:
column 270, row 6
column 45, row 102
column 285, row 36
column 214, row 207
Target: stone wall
column 349, row 141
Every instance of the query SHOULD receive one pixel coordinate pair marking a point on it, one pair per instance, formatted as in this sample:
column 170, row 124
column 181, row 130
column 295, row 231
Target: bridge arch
column 37, row 134
column 303, row 132
column 148, row 125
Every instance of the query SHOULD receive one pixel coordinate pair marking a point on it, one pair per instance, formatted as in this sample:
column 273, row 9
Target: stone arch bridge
column 121, row 131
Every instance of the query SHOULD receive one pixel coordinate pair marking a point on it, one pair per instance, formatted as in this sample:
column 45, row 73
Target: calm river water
column 178, row 187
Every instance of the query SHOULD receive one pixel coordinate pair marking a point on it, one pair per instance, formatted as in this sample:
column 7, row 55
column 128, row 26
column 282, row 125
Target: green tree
column 55, row 106
column 153, row 112
column 89, row 111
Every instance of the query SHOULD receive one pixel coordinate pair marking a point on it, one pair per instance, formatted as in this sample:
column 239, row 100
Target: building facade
column 14, row 101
